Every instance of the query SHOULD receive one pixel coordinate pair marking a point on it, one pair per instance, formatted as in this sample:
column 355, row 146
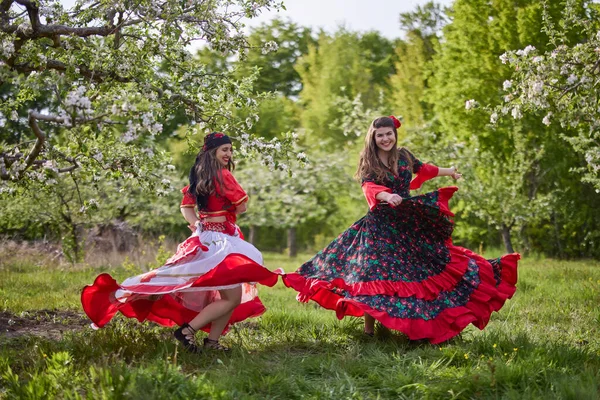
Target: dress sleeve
column 371, row 190
column 423, row 171
column 189, row 200
column 232, row 190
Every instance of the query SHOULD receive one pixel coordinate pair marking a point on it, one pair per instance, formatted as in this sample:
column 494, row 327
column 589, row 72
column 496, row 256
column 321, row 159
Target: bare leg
column 369, row 324
column 217, row 326
column 218, row 311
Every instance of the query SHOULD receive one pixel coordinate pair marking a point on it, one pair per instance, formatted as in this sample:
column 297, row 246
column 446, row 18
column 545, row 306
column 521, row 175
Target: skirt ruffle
column 458, row 288
column 176, row 292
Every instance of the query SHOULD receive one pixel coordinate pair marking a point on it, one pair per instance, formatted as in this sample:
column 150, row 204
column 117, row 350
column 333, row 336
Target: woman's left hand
column 455, row 174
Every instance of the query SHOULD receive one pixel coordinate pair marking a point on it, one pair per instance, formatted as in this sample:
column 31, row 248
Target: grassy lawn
column 544, row 343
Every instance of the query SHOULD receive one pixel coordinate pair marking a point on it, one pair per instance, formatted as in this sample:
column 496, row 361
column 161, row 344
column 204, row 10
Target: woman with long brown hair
column 397, row 264
column 208, row 283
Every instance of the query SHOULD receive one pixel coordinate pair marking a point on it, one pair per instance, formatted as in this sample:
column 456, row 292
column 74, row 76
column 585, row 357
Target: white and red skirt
column 215, row 257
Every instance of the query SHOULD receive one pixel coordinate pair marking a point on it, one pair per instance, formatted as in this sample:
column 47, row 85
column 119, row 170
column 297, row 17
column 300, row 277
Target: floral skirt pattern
column 399, row 265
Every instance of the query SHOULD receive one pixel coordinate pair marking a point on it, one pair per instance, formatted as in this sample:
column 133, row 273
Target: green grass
column 543, row 344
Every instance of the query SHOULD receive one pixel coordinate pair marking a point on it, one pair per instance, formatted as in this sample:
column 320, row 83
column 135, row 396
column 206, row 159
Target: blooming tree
column 85, row 89
column 561, row 84
column 289, row 199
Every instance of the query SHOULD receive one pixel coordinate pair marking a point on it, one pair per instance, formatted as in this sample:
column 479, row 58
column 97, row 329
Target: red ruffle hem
column 486, row 298
column 169, row 304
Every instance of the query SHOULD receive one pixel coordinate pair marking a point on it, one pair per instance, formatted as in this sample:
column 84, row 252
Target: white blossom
column 494, row 118
column 7, row 49
column 98, row 156
column 537, row 87
column 14, row 115
column 546, row 120
column 571, row 79
column 469, row 104
column 301, row 156
column 93, row 202
column 516, row 113
column 170, row 167
column 77, row 98
column 507, row 84
column 269, row 47
column 525, row 51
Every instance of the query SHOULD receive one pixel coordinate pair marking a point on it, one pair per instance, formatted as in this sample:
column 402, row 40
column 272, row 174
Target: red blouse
column 222, row 201
column 424, row 172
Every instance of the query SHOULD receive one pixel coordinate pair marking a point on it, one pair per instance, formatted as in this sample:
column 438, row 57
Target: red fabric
column 100, row 304
column 425, row 173
column 231, row 189
column 225, row 198
column 188, row 198
column 371, row 190
column 187, row 250
column 484, row 300
column 397, row 123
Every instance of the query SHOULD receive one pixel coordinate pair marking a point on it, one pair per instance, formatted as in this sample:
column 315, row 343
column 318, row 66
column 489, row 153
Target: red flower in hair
column 218, row 135
column 397, row 123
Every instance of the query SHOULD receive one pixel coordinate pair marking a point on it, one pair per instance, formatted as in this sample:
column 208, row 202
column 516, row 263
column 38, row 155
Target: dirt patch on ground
column 49, row 324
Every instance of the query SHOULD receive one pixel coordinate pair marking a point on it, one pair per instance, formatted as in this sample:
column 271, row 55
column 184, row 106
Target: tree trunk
column 252, row 235
column 291, row 242
column 557, row 236
column 506, row 238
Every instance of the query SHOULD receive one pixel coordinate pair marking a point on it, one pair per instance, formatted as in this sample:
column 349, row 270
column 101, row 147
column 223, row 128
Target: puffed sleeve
column 371, row 190
column 232, row 190
column 189, row 200
column 423, row 171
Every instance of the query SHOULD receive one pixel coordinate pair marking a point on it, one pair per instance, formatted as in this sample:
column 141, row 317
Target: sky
column 355, row 15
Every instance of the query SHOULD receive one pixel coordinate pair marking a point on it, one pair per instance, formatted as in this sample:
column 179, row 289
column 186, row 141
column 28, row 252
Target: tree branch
column 92, row 75
column 4, row 7
column 41, row 139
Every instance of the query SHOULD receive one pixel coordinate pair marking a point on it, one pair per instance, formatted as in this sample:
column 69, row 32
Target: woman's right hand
column 394, row 200
column 194, row 226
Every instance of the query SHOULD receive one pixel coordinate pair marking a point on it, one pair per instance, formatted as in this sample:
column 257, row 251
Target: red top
column 222, row 201
column 424, row 172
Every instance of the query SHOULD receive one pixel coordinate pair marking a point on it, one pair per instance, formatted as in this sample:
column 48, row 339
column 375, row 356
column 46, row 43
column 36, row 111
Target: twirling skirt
column 399, row 265
column 211, row 259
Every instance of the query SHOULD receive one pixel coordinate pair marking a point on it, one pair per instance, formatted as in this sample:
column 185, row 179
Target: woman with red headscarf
column 209, row 282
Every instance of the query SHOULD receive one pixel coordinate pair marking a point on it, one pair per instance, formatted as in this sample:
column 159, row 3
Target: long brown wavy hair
column 369, row 165
column 204, row 173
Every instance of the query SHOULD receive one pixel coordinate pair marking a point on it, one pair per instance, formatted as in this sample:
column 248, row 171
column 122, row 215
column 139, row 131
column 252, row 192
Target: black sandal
column 369, row 334
column 215, row 345
column 188, row 340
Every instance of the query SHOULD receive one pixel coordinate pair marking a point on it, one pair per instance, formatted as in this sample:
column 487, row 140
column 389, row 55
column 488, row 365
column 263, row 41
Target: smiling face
column 385, row 138
column 224, row 154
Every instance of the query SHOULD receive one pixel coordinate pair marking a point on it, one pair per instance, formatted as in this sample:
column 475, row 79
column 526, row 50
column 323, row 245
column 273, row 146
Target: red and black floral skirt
column 399, row 265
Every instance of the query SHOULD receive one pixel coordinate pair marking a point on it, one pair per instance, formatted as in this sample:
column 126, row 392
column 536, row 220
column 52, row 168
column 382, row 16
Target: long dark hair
column 203, row 175
column 369, row 164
